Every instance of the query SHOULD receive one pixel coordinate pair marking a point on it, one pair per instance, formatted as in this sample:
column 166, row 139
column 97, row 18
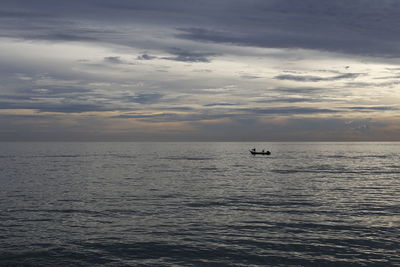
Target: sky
column 200, row 70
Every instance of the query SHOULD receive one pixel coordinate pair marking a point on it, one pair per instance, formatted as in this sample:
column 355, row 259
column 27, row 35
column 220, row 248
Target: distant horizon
column 226, row 70
column 194, row 141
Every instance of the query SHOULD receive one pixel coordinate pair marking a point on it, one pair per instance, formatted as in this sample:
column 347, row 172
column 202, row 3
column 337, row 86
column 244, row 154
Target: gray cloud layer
column 368, row 27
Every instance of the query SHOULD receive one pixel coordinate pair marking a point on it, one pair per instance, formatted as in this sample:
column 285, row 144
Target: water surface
column 199, row 204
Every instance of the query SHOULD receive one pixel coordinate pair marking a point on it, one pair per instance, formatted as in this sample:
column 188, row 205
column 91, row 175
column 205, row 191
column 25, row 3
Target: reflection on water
column 116, row 204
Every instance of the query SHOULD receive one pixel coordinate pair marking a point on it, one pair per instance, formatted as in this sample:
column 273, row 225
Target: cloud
column 176, row 108
column 113, row 60
column 373, row 108
column 175, row 117
column 55, row 107
column 203, row 70
column 335, row 26
column 60, row 99
column 290, row 100
column 300, row 90
column 187, row 56
column 54, row 90
column 237, row 114
column 308, row 78
column 146, row 98
column 57, row 36
column 291, row 111
column 46, row 97
column 250, row 77
column 362, row 27
column 267, row 60
column 219, row 104
column 145, row 57
column 4, row 13
column 373, row 84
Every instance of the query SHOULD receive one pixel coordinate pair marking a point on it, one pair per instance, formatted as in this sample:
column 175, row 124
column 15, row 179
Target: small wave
column 356, row 157
column 66, row 211
column 207, row 204
column 58, row 156
column 239, row 165
column 333, row 171
column 7, row 156
column 241, row 204
column 122, row 156
column 37, row 220
column 188, row 158
column 70, row 200
column 210, row 169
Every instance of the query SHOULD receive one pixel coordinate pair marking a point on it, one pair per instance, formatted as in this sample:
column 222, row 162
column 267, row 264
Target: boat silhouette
column 254, row 152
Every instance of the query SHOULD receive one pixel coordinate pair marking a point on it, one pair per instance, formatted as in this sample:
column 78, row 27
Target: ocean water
column 199, row 204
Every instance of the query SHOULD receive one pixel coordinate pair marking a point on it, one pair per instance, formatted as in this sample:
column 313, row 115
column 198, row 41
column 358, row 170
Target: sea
column 199, row 204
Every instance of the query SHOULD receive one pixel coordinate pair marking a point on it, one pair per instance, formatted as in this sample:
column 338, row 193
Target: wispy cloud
column 309, row 78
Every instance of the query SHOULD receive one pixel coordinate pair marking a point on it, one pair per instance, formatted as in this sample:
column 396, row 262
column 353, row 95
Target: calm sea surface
column 199, row 204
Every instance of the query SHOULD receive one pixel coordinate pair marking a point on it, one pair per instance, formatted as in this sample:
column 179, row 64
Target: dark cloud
column 15, row 97
column 28, row 97
column 219, row 104
column 45, row 25
column 66, row 37
column 299, row 90
column 292, row 111
column 20, row 14
column 290, row 100
column 113, row 60
column 146, row 98
column 54, row 107
column 145, row 57
column 373, row 108
column 308, row 78
column 362, row 27
column 187, row 56
column 176, row 108
column 51, row 91
column 67, row 99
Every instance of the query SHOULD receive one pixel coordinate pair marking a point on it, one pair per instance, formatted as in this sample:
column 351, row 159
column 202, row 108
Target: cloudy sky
column 204, row 70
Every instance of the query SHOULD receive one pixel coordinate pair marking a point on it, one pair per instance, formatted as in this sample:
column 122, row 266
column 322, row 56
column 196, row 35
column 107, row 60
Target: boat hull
column 260, row 153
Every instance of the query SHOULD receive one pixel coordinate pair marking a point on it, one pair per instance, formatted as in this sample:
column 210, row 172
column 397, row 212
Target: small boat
column 253, row 152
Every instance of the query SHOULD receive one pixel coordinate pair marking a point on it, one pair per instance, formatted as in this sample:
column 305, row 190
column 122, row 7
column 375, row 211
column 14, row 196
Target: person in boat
column 254, row 149
column 263, row 151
